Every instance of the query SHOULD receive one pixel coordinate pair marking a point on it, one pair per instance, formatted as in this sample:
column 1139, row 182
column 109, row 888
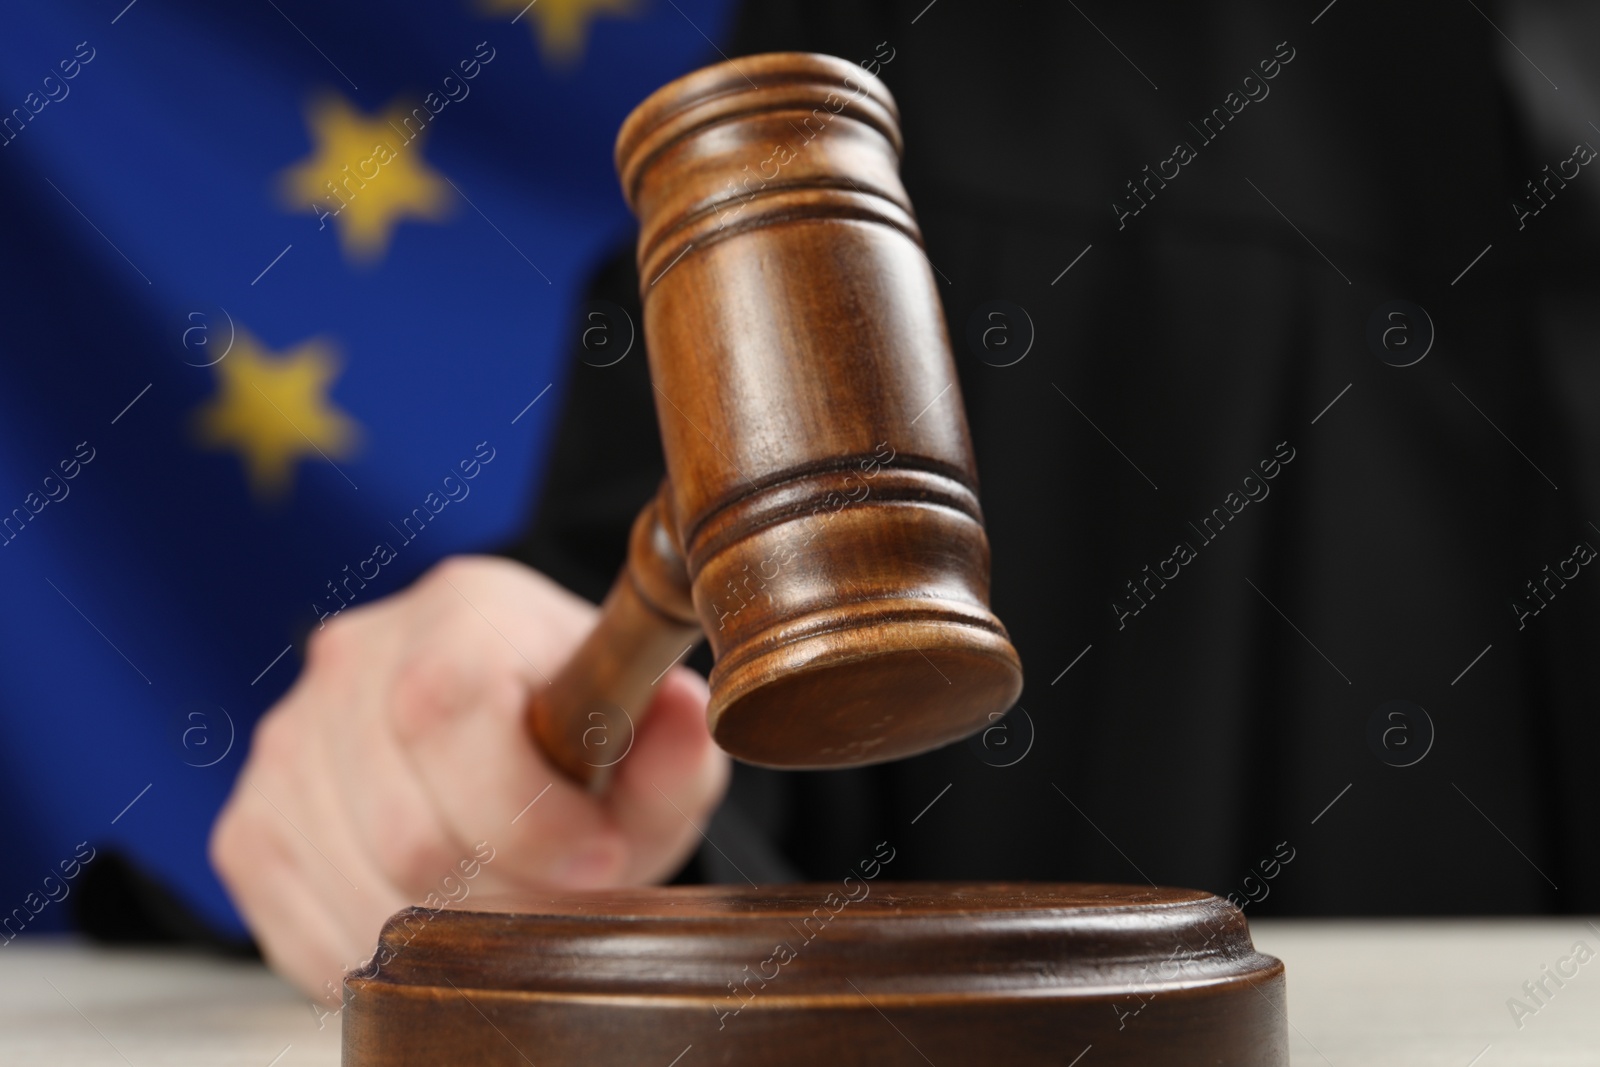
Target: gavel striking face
column 819, row 522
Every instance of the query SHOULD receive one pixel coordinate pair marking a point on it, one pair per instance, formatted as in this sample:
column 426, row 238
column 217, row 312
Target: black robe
column 1195, row 317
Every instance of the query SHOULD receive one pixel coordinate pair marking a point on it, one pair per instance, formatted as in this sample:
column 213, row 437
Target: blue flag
column 286, row 293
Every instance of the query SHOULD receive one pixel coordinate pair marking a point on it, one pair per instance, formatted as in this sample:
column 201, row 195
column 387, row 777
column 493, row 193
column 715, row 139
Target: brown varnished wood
column 859, row 971
column 820, row 524
column 821, row 483
column 585, row 719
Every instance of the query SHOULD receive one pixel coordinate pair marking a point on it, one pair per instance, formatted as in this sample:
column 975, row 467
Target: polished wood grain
column 821, row 485
column 820, row 524
column 860, row 971
column 581, row 720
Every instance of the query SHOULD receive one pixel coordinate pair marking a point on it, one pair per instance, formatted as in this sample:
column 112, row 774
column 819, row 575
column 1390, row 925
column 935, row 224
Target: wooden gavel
column 819, row 522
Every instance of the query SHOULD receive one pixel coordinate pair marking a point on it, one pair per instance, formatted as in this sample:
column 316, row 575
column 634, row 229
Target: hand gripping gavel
column 819, row 522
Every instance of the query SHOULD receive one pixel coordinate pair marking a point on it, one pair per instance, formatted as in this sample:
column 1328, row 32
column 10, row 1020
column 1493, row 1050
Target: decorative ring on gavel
column 820, row 519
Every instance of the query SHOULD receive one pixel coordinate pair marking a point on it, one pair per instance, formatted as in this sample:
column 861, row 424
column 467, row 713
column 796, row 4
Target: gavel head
column 822, row 484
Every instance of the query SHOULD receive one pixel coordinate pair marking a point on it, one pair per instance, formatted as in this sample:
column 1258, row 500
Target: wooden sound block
column 858, row 972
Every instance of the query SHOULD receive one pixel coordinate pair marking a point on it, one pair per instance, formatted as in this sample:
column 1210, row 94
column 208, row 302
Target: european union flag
column 285, row 287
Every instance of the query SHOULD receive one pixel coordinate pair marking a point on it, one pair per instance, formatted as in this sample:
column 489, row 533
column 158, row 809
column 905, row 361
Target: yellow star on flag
column 563, row 24
column 274, row 411
column 366, row 174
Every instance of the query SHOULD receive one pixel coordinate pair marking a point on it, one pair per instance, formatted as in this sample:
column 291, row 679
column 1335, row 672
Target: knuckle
column 277, row 740
column 429, row 691
column 333, row 646
column 238, row 847
column 452, row 571
column 222, row 848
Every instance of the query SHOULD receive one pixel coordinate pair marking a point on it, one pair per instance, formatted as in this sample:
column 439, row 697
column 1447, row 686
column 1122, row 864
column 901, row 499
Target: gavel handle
column 586, row 718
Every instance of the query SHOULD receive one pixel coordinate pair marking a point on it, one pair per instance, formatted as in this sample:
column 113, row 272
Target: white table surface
column 1362, row 994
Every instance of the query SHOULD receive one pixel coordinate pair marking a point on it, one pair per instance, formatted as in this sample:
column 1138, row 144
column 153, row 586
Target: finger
column 457, row 712
column 666, row 789
column 393, row 817
column 492, row 784
column 299, row 936
column 298, row 932
column 288, row 804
